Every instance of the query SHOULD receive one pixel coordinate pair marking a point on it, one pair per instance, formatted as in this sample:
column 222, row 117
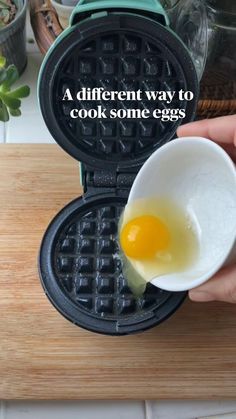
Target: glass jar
column 188, row 18
column 221, row 59
column 208, row 28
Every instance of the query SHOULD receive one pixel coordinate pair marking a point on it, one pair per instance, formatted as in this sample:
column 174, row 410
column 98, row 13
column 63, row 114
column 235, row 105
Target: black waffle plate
column 81, row 271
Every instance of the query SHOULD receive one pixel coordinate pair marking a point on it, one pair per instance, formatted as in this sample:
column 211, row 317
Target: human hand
column 222, row 287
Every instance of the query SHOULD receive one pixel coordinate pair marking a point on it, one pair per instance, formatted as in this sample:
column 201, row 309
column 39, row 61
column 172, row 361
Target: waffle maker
column 118, row 45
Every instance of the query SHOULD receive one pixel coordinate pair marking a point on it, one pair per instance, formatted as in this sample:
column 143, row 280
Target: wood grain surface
column 43, row 356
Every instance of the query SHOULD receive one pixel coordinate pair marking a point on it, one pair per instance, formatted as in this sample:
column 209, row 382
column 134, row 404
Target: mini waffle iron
column 118, row 45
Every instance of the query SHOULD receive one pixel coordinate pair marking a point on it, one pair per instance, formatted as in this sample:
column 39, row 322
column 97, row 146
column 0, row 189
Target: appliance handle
column 90, row 7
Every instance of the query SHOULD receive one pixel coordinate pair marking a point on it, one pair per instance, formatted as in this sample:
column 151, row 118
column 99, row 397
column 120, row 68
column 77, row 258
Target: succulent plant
column 7, row 12
column 10, row 100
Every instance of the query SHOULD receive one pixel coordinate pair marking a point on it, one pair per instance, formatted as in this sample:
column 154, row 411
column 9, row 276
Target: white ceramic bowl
column 199, row 176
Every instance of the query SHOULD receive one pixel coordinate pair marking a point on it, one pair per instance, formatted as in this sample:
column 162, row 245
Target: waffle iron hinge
column 107, row 181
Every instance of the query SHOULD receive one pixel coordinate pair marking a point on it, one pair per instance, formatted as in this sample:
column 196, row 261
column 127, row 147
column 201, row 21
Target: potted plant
column 12, row 32
column 10, row 100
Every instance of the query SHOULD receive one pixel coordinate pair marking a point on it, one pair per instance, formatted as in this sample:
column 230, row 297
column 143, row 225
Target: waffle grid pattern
column 118, row 61
column 88, row 267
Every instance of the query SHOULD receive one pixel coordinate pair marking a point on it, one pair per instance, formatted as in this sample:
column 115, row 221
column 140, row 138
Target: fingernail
column 200, row 296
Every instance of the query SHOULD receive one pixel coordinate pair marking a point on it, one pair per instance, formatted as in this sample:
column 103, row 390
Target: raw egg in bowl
column 179, row 226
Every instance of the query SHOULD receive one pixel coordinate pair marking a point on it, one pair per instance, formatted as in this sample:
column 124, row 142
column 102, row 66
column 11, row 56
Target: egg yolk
column 144, row 236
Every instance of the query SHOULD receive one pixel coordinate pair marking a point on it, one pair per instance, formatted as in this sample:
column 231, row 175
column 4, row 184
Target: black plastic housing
column 81, row 271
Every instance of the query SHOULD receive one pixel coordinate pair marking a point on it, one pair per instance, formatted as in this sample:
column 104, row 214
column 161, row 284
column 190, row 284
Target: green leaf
column 2, row 24
column 10, row 101
column 12, row 77
column 5, row 15
column 3, row 3
column 20, row 92
column 2, row 61
column 15, row 112
column 4, row 115
column 3, row 75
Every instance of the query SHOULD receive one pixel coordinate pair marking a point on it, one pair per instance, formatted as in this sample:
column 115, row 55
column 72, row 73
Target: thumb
column 222, row 287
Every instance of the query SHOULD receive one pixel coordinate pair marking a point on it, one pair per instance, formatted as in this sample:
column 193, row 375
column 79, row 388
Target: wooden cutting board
column 43, row 356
